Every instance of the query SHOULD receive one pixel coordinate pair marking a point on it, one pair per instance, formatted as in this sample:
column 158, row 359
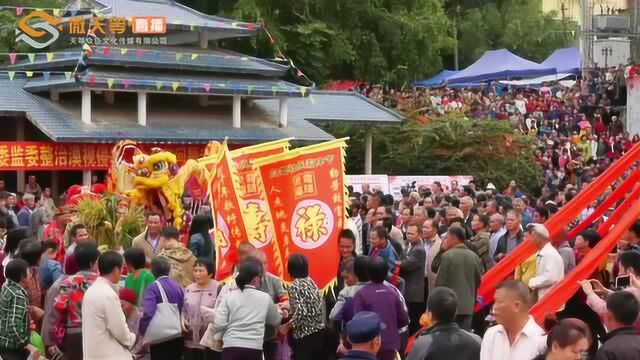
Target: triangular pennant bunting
column 249, row 89
column 159, row 85
column 56, row 12
column 12, row 74
column 110, row 83
column 124, row 51
column 73, row 12
column 234, row 24
column 244, row 58
column 29, row 74
column 67, row 75
column 274, row 89
column 179, row 56
column 194, row 56
column 250, row 26
column 106, row 51
column 32, row 57
column 46, row 75
column 126, row 83
column 192, row 26
column 12, row 58
column 50, row 56
column 139, row 53
column 91, row 80
column 207, row 87
column 175, row 86
column 19, row 11
column 303, row 91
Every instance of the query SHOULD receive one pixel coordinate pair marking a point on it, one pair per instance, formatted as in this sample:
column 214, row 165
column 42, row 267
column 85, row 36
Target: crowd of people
column 408, row 277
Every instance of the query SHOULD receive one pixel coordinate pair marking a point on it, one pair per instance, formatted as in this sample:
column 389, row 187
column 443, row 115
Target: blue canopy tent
column 437, row 80
column 566, row 61
column 497, row 65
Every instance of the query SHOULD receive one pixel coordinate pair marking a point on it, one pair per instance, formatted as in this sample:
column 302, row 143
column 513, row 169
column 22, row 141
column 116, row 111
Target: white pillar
column 203, row 38
column 142, row 108
column 86, row 106
column 237, row 107
column 20, row 176
column 368, row 149
column 55, row 95
column 109, row 97
column 86, row 178
column 284, row 111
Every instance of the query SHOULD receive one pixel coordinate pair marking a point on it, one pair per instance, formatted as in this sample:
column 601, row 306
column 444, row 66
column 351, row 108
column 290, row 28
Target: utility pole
column 455, row 39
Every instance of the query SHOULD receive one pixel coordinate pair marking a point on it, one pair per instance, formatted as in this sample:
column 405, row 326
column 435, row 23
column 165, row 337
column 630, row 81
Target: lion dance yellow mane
column 153, row 180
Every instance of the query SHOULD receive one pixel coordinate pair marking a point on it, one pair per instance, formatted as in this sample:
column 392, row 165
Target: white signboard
column 375, row 182
column 396, row 183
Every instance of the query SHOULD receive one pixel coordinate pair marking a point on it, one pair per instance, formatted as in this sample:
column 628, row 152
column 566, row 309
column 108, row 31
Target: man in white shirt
column 549, row 263
column 518, row 336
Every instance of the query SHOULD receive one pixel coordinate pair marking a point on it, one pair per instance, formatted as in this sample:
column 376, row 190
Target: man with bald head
column 517, row 335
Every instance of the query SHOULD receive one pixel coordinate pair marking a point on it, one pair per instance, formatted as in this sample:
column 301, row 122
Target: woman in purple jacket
column 160, row 268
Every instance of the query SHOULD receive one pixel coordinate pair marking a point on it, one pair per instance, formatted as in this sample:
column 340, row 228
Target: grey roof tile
column 217, row 61
column 259, row 119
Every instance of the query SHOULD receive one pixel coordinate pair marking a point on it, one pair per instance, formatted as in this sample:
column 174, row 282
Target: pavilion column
column 203, row 38
column 284, row 111
column 368, row 149
column 55, row 95
column 20, row 175
column 142, row 108
column 237, row 113
column 86, row 106
column 86, row 178
column 109, row 97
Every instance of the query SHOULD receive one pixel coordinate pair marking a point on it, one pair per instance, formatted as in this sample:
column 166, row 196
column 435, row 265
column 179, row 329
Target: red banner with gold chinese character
column 255, row 209
column 227, row 214
column 305, row 189
column 32, row 155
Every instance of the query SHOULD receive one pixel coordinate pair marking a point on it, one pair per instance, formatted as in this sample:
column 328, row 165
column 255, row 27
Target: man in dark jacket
column 512, row 238
column 412, row 263
column 622, row 342
column 444, row 339
column 364, row 332
column 460, row 270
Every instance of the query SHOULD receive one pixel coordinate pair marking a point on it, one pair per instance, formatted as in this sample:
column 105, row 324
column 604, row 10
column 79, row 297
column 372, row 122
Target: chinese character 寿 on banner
column 255, row 210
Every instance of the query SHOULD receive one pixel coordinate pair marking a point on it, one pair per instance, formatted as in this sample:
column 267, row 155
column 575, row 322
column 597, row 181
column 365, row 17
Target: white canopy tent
column 541, row 79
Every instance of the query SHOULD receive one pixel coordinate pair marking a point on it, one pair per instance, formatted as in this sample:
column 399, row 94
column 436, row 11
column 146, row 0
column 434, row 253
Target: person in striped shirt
column 14, row 314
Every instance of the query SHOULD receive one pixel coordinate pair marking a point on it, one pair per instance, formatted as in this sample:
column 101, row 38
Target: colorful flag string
column 281, row 56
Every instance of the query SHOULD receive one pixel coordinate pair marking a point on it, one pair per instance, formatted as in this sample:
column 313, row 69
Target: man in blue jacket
column 381, row 246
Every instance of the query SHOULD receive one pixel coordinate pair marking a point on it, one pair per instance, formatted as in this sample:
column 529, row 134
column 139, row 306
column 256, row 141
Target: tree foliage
column 488, row 150
column 9, row 22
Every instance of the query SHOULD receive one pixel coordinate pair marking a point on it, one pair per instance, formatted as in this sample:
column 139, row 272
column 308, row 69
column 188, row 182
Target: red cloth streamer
column 616, row 195
column 555, row 224
column 561, row 293
column 621, row 210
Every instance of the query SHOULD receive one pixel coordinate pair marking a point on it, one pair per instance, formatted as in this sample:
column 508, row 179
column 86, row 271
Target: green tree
column 9, row 21
column 490, row 151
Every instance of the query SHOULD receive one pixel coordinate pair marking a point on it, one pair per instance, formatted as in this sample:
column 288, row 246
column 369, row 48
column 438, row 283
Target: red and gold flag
column 255, row 210
column 306, row 195
column 226, row 204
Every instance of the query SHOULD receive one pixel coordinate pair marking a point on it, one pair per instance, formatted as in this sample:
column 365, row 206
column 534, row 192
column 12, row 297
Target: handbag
column 165, row 324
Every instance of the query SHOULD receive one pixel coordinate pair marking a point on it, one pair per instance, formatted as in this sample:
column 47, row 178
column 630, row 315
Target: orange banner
column 40, row 155
column 255, row 210
column 306, row 195
column 227, row 215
